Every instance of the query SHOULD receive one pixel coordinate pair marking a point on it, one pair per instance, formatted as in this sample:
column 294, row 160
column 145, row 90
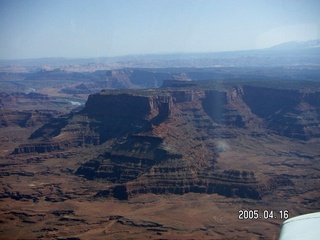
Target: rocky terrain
column 169, row 163
column 178, row 162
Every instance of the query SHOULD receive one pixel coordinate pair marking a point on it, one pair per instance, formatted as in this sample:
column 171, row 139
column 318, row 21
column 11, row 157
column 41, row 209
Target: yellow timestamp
column 250, row 214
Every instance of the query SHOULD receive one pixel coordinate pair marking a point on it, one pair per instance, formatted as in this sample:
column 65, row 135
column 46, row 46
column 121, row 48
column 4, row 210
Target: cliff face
column 229, row 108
column 172, row 153
column 24, row 118
column 166, row 140
column 105, row 116
column 291, row 113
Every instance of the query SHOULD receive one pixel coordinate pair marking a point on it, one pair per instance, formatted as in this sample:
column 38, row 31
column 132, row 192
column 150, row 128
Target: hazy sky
column 101, row 28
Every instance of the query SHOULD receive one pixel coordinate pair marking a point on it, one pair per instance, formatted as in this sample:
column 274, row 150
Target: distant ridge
column 289, row 53
column 297, row 45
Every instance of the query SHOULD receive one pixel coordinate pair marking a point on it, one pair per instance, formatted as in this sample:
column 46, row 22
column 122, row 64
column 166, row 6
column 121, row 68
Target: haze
column 76, row 29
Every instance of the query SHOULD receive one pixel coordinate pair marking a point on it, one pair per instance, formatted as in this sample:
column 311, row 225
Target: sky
column 105, row 28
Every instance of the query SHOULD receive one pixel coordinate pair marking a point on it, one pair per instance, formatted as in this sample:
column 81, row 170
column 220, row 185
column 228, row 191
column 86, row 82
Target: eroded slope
column 205, row 152
column 167, row 140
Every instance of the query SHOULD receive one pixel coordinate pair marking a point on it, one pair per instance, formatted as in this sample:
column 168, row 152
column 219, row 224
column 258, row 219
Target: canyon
column 174, row 162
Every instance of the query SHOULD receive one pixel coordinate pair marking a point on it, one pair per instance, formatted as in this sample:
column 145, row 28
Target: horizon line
column 155, row 54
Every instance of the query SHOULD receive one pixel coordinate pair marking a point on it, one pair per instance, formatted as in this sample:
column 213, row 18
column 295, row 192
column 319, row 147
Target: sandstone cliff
column 291, row 113
column 167, row 140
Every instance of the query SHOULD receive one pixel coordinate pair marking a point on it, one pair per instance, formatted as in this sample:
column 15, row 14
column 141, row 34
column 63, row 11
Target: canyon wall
column 166, row 140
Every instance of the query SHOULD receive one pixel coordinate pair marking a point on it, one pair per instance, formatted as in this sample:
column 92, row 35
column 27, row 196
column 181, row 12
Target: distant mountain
column 297, row 45
column 292, row 53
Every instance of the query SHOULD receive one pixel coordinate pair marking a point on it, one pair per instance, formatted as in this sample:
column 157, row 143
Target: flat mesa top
column 219, row 85
column 135, row 92
column 147, row 92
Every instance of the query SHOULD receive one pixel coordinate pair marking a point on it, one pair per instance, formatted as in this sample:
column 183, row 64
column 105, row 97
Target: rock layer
column 166, row 140
column 291, row 113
